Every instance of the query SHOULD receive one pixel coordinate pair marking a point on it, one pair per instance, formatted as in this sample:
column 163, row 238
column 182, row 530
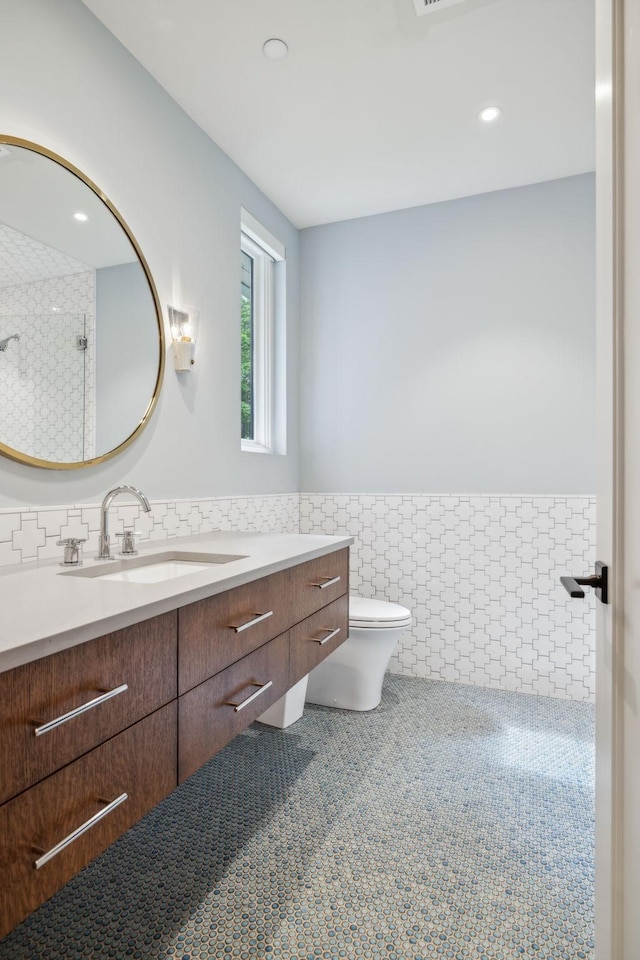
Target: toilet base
column 351, row 677
column 342, row 689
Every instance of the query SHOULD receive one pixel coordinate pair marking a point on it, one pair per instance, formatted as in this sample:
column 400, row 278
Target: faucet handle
column 128, row 541
column 72, row 549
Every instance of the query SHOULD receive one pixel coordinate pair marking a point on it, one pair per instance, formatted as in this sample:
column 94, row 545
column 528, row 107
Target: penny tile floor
column 451, row 822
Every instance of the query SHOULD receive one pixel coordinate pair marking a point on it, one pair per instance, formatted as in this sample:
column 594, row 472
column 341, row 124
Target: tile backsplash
column 480, row 574
column 32, row 533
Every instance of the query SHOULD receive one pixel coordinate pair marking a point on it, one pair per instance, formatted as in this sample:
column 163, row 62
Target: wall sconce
column 184, row 333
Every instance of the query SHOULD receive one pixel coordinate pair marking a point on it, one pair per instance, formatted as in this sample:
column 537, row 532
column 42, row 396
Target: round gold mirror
column 81, row 333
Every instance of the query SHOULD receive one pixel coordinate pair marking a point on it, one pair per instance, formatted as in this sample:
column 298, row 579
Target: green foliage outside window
column 246, row 376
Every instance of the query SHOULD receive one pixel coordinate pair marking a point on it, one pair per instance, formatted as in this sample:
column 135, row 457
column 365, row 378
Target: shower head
column 3, row 343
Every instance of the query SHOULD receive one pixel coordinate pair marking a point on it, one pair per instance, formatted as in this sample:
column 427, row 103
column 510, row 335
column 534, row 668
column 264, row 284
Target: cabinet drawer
column 139, row 763
column 315, row 638
column 31, row 696
column 318, row 582
column 220, row 630
column 211, row 715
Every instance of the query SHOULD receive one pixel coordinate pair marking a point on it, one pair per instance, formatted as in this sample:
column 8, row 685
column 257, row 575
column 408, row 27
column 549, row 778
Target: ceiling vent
column 431, row 6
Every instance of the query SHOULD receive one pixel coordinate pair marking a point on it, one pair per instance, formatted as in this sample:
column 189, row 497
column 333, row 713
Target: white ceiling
column 38, row 198
column 375, row 108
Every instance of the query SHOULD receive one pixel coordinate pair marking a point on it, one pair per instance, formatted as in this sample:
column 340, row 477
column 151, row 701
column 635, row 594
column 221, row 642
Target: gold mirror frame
column 16, row 455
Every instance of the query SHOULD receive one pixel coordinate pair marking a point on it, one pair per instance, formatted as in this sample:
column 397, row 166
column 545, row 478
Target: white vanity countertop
column 43, row 609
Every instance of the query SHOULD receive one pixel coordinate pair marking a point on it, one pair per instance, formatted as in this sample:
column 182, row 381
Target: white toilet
column 351, row 677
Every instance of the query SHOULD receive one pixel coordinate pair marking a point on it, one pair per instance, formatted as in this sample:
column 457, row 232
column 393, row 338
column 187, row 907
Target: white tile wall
column 481, row 576
column 31, row 533
column 47, row 385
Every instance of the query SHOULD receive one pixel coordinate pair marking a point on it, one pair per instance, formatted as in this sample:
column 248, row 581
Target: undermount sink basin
column 155, row 568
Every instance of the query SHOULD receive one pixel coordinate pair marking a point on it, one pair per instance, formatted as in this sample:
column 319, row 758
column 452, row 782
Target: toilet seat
column 367, row 614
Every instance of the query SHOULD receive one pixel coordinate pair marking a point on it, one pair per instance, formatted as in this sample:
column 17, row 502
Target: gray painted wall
column 445, row 348
column 69, row 85
column 451, row 348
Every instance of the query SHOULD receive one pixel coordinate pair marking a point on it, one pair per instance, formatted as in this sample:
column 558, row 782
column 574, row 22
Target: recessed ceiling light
column 490, row 114
column 275, row 49
column 80, row 216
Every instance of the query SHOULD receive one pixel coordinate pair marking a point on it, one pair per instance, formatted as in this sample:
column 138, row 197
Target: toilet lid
column 364, row 612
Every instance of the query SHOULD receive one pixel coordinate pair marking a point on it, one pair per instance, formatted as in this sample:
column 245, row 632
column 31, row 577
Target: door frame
column 617, row 926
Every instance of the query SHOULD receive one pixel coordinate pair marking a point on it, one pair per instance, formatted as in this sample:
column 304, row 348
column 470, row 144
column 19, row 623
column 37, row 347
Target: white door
column 618, row 536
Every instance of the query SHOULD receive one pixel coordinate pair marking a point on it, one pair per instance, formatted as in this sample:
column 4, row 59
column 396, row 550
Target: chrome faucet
column 104, row 547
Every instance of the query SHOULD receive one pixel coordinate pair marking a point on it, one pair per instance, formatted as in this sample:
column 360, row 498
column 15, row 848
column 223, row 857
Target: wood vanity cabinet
column 220, row 630
column 79, row 730
column 315, row 584
column 107, row 790
column 210, row 715
column 93, row 737
column 316, row 637
column 237, row 645
column 136, row 665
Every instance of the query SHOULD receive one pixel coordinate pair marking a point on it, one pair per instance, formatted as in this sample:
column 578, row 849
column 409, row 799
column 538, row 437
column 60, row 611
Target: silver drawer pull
column 91, row 822
column 330, row 635
column 326, row 582
column 107, row 695
column 257, row 618
column 252, row 696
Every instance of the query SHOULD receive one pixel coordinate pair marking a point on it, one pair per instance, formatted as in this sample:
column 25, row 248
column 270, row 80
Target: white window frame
column 265, row 250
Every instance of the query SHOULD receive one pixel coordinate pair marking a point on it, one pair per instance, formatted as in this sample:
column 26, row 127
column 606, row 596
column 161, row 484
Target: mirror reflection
column 81, row 349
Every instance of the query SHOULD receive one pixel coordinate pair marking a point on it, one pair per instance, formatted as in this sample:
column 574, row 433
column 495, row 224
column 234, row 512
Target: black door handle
column 599, row 581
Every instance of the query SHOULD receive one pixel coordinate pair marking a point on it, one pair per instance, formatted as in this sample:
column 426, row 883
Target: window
column 260, row 257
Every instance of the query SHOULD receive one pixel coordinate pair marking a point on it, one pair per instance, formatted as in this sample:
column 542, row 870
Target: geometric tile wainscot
column 31, row 533
column 481, row 576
